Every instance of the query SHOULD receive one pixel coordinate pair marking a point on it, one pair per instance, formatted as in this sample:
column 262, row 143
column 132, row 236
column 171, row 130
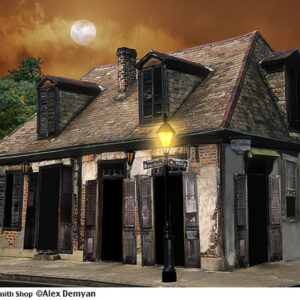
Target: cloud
column 42, row 28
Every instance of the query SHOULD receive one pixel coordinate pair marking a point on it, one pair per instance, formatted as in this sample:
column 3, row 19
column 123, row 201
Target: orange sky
column 42, row 28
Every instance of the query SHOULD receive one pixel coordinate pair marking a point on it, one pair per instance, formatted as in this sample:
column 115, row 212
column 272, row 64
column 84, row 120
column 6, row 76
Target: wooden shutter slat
column 89, row 250
column 274, row 226
column 51, row 111
column 17, row 199
column 192, row 240
column 66, row 210
column 146, row 222
column 129, row 236
column 241, row 214
column 2, row 198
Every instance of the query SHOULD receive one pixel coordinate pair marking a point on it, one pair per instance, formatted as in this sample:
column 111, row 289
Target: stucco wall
column 207, row 201
column 234, row 164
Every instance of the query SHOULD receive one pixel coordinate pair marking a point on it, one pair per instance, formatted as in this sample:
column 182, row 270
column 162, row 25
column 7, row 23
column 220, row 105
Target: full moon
column 83, row 32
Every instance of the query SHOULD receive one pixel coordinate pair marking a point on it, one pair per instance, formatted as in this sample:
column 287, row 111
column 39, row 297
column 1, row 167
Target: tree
column 28, row 70
column 18, row 95
column 17, row 104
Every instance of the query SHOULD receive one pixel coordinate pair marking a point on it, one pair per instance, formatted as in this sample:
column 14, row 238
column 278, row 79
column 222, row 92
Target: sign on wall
column 240, row 145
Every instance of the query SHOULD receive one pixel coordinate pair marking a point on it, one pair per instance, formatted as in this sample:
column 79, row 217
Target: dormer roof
column 175, row 63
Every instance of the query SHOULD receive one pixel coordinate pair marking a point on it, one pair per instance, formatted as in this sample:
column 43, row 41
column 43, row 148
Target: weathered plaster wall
column 207, row 198
column 233, row 164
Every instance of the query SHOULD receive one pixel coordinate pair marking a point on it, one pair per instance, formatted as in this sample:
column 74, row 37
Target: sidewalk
column 100, row 274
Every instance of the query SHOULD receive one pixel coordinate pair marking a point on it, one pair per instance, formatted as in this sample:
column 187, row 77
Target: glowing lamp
column 25, row 168
column 130, row 157
column 165, row 134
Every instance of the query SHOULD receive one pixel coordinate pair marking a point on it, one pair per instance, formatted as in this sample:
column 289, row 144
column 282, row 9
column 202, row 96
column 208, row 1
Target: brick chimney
column 126, row 69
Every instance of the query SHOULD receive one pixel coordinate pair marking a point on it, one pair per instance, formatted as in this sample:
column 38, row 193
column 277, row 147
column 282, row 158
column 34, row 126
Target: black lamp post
column 166, row 134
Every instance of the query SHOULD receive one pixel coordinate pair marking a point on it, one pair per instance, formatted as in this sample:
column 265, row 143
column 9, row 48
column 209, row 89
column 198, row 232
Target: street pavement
column 111, row 274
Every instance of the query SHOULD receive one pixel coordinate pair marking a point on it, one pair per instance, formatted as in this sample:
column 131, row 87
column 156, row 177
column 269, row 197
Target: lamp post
column 166, row 134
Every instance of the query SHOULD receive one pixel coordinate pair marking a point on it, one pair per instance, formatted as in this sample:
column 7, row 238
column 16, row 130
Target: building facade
column 234, row 105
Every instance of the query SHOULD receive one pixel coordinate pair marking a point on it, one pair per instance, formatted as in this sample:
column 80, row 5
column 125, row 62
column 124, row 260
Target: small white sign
column 240, row 145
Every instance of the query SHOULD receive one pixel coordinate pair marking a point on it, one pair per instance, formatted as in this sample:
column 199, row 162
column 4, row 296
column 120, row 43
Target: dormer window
column 165, row 82
column 60, row 100
column 282, row 74
column 151, row 95
column 293, row 96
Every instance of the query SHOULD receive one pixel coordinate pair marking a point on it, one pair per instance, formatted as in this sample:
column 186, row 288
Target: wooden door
column 241, row 217
column 89, row 250
column 129, row 222
column 274, row 220
column 192, row 242
column 66, row 210
column 146, row 219
column 29, row 236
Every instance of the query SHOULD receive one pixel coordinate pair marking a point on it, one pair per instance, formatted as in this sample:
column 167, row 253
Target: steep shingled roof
column 212, row 105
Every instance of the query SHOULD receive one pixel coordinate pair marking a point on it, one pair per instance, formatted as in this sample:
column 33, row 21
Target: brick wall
column 12, row 235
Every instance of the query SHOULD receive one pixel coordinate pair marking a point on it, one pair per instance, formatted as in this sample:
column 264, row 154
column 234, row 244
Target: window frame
column 291, row 192
column 141, row 94
column 11, row 227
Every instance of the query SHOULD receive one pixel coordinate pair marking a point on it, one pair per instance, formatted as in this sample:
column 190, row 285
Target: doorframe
column 99, row 203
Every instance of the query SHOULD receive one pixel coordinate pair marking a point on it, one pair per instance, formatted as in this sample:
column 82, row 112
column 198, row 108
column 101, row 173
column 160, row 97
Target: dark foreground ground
column 21, row 272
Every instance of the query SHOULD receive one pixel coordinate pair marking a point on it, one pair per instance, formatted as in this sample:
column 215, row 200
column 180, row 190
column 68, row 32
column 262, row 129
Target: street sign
column 240, row 145
column 155, row 163
column 176, row 162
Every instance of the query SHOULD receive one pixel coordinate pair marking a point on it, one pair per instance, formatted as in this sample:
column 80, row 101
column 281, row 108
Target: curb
column 63, row 282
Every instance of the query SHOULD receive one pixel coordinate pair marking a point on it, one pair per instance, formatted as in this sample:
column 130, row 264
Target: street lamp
column 166, row 134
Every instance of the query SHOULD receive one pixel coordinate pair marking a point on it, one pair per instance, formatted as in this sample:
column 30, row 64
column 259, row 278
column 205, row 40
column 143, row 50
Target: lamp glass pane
column 165, row 138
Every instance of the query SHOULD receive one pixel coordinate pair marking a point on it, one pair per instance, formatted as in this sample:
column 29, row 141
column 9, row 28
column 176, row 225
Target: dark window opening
column 293, row 104
column 8, row 201
column 290, row 207
column 151, row 94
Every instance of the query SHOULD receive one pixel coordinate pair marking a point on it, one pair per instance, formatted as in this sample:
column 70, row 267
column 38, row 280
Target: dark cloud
column 42, row 28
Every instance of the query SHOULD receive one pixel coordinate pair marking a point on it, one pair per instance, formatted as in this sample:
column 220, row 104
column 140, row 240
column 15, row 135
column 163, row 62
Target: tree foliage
column 28, row 70
column 18, row 95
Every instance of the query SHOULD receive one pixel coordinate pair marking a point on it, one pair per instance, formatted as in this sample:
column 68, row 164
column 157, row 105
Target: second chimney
column 126, row 69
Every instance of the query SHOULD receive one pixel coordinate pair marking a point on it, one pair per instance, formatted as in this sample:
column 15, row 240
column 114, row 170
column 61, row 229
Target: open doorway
column 112, row 220
column 176, row 200
column 48, row 209
column 259, row 168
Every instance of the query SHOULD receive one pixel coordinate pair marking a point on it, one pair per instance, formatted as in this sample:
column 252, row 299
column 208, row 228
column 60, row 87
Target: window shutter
column 157, row 93
column 17, row 200
column 129, row 242
column 43, row 113
column 65, row 210
column 192, row 242
column 274, row 226
column 241, row 215
column 146, row 220
column 2, row 199
column 147, row 95
column 51, row 111
column 89, row 250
